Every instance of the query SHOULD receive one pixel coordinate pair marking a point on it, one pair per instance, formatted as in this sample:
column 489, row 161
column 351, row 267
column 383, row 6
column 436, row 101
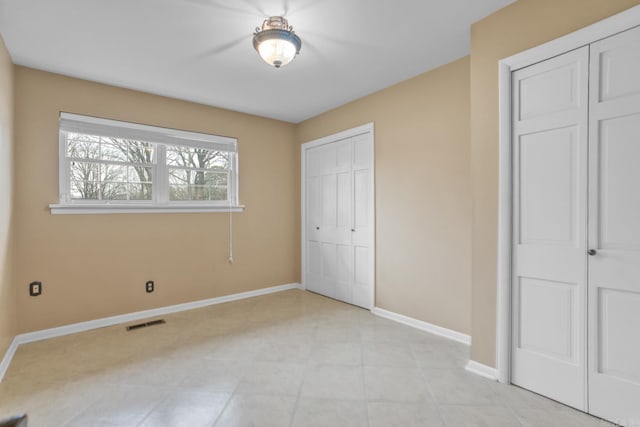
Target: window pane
column 114, row 153
column 113, row 173
column 179, row 192
column 179, row 176
column 114, row 168
column 197, row 158
column 217, row 178
column 140, row 152
column 197, row 192
column 82, row 137
column 186, row 184
column 88, row 190
column 114, row 191
column 140, row 174
column 140, row 192
column 109, row 149
column 197, row 177
column 218, row 193
column 83, row 149
column 85, row 171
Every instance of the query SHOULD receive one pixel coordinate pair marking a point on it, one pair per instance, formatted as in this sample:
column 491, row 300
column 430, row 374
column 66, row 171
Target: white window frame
column 161, row 138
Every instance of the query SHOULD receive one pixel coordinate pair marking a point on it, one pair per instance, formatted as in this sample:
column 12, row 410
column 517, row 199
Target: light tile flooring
column 287, row 359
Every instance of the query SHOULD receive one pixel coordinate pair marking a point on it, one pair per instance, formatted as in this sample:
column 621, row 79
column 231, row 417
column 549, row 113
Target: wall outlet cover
column 35, row 288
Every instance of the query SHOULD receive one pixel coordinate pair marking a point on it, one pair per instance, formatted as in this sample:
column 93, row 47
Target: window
column 113, row 166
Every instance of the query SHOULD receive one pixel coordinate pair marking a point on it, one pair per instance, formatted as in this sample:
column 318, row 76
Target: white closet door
column 614, row 229
column 328, row 224
column 550, row 102
column 313, row 250
column 343, row 288
column 362, row 221
column 339, row 219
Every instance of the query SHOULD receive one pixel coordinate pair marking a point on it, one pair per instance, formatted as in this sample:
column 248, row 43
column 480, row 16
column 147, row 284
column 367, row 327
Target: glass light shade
column 276, row 42
column 277, row 52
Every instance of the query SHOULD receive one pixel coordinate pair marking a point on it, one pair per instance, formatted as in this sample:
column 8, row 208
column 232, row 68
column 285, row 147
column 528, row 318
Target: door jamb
column 585, row 36
column 367, row 128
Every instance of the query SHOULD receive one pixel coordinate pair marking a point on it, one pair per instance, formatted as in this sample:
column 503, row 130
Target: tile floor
column 287, row 359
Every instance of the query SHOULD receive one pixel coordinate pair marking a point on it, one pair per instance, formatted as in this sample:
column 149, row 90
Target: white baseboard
column 124, row 318
column 423, row 326
column 6, row 360
column 482, row 370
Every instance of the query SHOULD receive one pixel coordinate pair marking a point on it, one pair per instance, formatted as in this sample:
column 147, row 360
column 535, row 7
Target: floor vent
column 144, row 325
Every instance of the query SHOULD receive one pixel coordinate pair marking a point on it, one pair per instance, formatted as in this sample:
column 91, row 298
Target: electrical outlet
column 149, row 286
column 35, row 288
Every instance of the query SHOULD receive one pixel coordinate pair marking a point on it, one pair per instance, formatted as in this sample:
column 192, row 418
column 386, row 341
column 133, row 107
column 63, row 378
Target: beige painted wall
column 93, row 266
column 423, row 210
column 7, row 292
column 520, row 26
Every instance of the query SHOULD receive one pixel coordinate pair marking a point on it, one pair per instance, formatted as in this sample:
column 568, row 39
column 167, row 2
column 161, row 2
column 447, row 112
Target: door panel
column 548, row 193
column 314, row 266
column 614, row 229
column 619, row 355
column 314, row 207
column 362, row 151
column 329, row 268
column 549, row 227
column 619, row 198
column 329, row 200
column 344, row 289
column 549, row 90
column 547, row 305
column 362, row 277
column 361, row 208
column 618, row 60
column 344, row 199
column 315, row 258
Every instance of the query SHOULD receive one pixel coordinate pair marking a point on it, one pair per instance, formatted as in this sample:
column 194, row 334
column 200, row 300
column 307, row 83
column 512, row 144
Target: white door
column 338, row 222
column 614, row 229
column 362, row 221
column 550, row 108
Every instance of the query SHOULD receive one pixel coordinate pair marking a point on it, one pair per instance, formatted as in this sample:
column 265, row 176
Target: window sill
column 57, row 209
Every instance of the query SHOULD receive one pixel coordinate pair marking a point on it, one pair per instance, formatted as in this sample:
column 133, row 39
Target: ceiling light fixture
column 276, row 42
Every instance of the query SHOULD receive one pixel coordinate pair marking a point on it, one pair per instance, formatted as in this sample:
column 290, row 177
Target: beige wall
column 423, row 210
column 7, row 291
column 436, row 140
column 522, row 25
column 93, row 266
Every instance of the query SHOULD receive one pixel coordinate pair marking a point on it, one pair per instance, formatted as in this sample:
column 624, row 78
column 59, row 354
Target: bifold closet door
column 550, row 109
column 614, row 229
column 328, row 225
column 362, row 220
column 338, row 220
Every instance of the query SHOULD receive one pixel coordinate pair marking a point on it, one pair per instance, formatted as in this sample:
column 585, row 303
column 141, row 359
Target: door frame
column 609, row 26
column 360, row 130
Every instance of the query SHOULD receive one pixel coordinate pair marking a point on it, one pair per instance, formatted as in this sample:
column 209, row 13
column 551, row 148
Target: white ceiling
column 201, row 51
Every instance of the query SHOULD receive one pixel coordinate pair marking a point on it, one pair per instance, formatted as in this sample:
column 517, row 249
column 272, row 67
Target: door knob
column 317, row 228
column 592, row 252
column 353, row 229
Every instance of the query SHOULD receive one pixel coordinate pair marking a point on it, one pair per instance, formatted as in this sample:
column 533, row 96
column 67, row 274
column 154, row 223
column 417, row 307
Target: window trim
column 134, row 208
column 161, row 137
